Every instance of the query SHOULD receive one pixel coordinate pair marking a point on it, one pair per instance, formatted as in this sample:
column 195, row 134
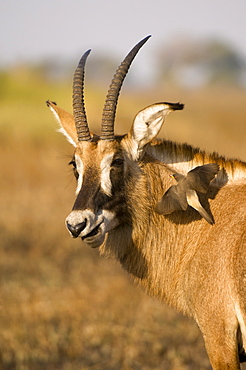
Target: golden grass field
column 61, row 305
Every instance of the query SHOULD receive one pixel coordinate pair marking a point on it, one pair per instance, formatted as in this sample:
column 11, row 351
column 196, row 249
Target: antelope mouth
column 90, row 227
column 95, row 237
column 94, row 232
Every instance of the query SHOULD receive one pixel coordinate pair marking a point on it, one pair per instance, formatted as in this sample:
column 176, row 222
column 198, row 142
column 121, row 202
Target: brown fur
column 197, row 268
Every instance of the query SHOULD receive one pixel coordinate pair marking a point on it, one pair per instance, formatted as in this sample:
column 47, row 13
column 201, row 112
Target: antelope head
column 105, row 165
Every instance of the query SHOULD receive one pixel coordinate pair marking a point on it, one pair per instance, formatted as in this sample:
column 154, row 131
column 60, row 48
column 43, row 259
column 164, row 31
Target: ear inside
column 147, row 125
column 66, row 121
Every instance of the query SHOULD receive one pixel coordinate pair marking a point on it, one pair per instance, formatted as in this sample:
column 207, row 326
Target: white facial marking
column 105, row 174
column 76, row 217
column 80, row 169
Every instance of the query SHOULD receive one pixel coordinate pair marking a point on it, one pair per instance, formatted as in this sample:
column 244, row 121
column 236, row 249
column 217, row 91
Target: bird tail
column 193, row 201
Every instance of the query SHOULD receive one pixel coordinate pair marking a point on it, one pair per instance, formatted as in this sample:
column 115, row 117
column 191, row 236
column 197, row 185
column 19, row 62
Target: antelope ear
column 66, row 121
column 147, row 125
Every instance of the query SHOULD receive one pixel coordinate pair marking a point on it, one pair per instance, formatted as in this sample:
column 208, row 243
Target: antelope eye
column 117, row 162
column 75, row 172
column 72, row 163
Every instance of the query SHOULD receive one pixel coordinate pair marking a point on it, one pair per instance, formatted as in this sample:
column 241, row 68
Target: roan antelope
column 195, row 267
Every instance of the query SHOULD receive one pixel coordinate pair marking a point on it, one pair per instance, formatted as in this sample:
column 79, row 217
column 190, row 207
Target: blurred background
column 61, row 305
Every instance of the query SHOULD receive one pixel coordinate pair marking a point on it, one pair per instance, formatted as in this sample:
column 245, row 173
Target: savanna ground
column 61, row 305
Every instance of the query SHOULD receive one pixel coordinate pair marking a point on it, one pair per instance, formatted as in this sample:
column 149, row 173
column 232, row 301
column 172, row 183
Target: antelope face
column 100, row 204
column 104, row 166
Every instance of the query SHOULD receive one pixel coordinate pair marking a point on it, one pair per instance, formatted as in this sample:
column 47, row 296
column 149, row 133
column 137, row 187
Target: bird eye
column 117, row 162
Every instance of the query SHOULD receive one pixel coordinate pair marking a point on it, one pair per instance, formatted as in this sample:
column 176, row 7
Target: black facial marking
column 90, row 195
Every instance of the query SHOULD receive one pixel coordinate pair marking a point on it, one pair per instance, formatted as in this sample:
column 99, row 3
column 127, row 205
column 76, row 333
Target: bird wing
column 200, row 177
column 194, row 202
column 174, row 199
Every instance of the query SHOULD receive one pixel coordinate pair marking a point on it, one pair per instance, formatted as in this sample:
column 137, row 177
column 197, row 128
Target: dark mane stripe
column 172, row 153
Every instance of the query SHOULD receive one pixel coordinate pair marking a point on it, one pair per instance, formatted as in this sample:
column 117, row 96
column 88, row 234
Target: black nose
column 75, row 230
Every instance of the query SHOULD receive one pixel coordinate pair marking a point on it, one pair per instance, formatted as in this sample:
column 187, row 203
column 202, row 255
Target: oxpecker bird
column 179, row 196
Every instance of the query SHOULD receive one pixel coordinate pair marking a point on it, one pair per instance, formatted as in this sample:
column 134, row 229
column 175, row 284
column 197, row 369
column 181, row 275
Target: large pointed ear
column 147, row 125
column 66, row 121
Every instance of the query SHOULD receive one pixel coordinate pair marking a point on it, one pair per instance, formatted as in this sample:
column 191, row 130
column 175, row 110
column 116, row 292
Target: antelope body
column 197, row 268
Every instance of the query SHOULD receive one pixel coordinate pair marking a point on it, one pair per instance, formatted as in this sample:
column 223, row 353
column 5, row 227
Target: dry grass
column 61, row 306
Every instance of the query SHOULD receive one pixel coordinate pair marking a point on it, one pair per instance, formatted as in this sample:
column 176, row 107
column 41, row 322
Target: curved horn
column 110, row 105
column 78, row 101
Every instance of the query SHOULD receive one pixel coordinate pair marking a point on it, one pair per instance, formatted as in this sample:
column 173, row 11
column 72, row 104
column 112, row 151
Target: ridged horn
column 79, row 113
column 109, row 110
